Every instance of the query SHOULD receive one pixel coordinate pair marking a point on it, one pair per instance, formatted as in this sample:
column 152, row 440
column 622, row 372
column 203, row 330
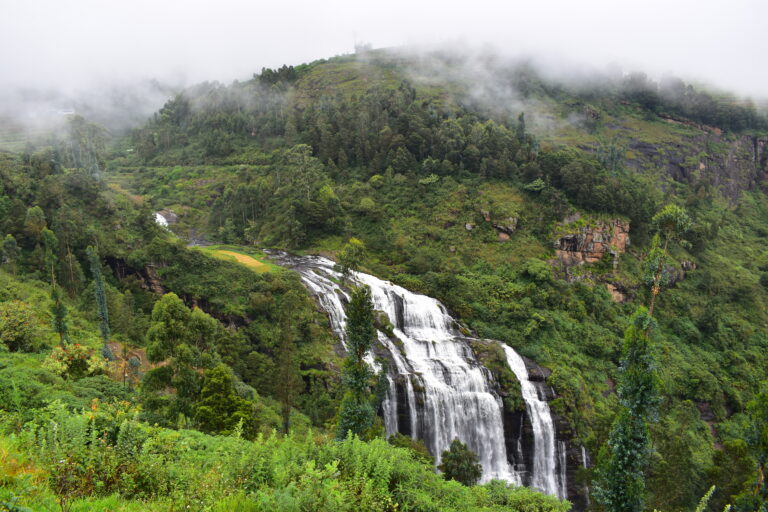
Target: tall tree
column 288, row 383
column 34, row 222
column 621, row 480
column 101, row 299
column 671, row 224
column 357, row 413
column 51, row 245
column 521, row 128
column 71, row 276
column 10, row 252
column 621, row 473
column 758, row 442
column 173, row 337
column 59, row 314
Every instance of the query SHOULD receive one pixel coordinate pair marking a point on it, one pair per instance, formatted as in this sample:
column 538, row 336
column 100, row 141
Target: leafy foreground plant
column 106, row 455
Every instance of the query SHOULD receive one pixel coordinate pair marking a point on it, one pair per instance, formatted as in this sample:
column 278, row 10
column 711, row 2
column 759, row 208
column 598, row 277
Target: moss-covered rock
column 491, row 355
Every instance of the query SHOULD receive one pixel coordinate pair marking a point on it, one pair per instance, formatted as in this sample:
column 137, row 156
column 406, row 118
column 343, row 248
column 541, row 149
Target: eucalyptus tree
column 621, row 473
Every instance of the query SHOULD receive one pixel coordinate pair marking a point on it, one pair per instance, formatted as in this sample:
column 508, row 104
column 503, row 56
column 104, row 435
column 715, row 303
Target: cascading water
column 562, row 465
column 438, row 391
column 545, row 457
column 585, row 465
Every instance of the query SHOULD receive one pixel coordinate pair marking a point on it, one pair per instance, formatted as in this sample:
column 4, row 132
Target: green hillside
column 470, row 182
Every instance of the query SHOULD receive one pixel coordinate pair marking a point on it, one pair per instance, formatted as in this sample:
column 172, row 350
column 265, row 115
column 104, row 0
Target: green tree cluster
column 220, row 410
column 461, row 464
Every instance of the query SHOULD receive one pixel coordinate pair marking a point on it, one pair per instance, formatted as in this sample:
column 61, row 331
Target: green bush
column 105, row 453
column 18, row 326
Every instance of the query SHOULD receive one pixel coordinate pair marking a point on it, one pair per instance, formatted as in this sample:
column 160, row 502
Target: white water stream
column 544, row 473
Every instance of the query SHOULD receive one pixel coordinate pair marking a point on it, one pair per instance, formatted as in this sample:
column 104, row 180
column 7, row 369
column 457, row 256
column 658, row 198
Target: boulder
column 169, row 215
column 508, row 225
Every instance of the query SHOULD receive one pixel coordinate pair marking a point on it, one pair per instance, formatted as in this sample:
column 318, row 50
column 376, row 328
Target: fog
column 74, row 51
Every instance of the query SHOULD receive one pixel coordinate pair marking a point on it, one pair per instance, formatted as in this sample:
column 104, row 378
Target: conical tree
column 59, row 314
column 288, row 383
column 621, row 482
column 357, row 413
column 101, row 299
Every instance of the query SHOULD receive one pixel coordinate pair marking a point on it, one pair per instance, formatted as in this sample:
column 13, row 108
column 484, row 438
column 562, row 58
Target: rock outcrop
column 151, row 281
column 591, row 242
column 675, row 274
column 504, row 227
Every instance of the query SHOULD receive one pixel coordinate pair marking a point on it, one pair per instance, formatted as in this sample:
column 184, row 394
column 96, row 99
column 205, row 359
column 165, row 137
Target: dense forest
column 612, row 229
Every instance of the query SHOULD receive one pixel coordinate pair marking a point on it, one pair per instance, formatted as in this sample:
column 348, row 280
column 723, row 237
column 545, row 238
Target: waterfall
column 160, row 220
column 545, row 458
column 562, row 467
column 585, row 465
column 438, row 391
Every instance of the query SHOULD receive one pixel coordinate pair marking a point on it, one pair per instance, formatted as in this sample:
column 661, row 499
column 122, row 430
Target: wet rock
column 381, row 322
column 169, row 215
column 536, row 373
column 152, row 281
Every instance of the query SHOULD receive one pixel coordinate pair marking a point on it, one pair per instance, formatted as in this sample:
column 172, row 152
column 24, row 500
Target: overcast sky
column 77, row 43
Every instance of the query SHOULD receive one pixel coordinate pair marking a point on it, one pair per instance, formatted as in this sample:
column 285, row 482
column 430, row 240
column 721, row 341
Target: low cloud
column 91, row 52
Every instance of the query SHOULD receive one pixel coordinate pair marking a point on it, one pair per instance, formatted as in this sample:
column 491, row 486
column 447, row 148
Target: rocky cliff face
column 727, row 162
column 590, row 242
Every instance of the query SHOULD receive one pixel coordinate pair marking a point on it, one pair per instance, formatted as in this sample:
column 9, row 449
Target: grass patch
column 251, row 258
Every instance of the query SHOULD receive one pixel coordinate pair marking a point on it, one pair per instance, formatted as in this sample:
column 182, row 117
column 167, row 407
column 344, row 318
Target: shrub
column 17, row 326
column 461, row 464
column 75, row 362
